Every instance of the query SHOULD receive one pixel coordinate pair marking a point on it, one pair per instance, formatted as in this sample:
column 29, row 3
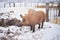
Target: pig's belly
column 36, row 21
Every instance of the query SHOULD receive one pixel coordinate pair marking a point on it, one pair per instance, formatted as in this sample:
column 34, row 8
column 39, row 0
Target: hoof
column 33, row 30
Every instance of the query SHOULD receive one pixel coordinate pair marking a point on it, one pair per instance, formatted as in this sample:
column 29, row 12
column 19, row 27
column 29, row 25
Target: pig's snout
column 20, row 24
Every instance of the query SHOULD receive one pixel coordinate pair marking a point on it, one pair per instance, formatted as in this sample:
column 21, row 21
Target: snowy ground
column 49, row 32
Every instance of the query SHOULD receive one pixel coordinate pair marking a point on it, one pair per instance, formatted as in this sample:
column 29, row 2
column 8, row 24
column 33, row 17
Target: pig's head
column 25, row 20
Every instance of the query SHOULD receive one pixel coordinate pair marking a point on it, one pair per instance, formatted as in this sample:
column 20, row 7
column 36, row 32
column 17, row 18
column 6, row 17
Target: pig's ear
column 21, row 16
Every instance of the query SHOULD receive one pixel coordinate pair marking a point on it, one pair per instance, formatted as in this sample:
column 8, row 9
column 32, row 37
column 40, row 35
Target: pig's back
column 36, row 17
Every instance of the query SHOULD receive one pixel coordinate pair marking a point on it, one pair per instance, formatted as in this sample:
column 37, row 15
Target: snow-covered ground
column 49, row 32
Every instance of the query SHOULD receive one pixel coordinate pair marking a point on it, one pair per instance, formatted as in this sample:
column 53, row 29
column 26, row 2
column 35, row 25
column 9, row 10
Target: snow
column 49, row 32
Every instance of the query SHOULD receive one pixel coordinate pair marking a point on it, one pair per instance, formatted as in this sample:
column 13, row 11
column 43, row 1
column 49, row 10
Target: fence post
column 59, row 9
column 47, row 11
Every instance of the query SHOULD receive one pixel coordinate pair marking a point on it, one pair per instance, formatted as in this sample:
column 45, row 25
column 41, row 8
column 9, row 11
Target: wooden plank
column 43, row 6
column 55, row 20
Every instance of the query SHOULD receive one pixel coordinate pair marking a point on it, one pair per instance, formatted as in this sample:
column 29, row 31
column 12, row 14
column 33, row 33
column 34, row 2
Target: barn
column 29, row 19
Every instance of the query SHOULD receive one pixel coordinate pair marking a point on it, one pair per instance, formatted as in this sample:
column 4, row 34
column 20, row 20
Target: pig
column 32, row 18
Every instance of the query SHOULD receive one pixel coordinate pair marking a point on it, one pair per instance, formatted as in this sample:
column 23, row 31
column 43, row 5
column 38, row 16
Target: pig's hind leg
column 42, row 23
column 39, row 26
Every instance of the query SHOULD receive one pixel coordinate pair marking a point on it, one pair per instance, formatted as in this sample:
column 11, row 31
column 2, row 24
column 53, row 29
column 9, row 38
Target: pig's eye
column 23, row 19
